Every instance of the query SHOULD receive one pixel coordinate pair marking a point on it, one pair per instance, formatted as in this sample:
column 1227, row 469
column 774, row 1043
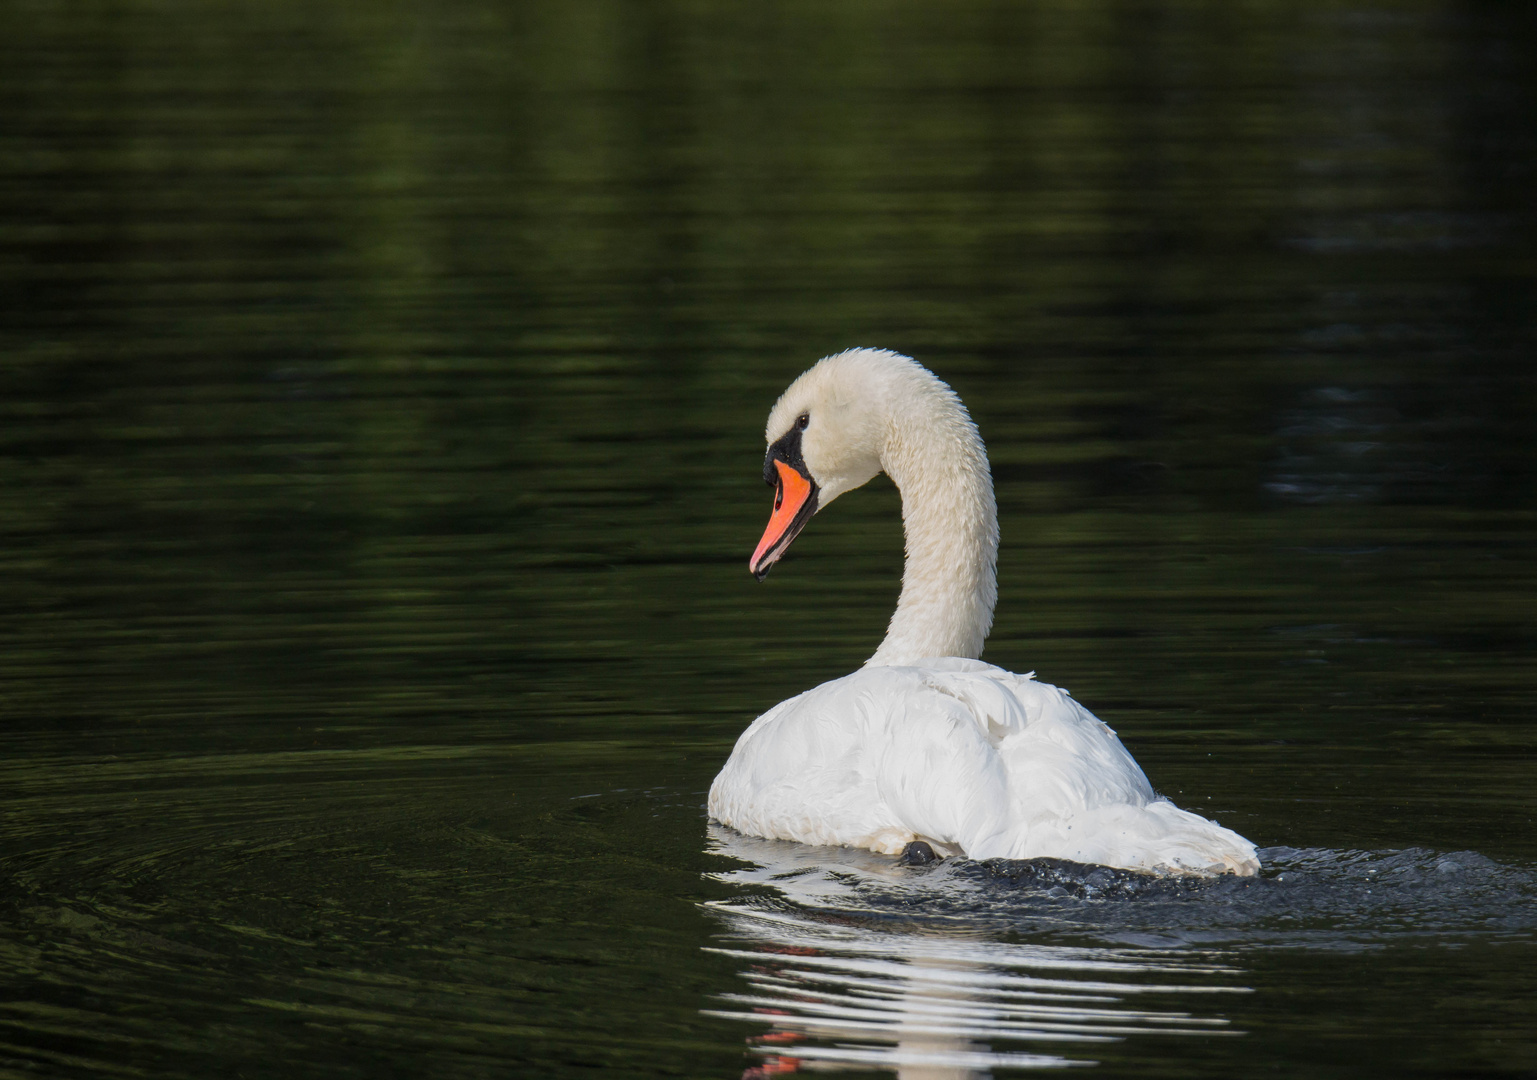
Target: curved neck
column 950, row 520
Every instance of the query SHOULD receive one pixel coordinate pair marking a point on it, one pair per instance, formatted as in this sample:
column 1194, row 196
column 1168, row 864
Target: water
column 957, row 969
column 381, row 394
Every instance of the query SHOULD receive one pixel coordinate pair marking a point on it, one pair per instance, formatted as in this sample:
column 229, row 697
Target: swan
column 926, row 744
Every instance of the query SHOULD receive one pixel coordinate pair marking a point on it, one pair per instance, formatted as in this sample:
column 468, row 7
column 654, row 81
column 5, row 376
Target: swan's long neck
column 949, row 585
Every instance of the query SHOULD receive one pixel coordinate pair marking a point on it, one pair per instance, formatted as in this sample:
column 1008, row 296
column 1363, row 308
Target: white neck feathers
column 933, row 453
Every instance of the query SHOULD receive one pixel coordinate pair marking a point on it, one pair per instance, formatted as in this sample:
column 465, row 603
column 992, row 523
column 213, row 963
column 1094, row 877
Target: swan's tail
column 1158, row 838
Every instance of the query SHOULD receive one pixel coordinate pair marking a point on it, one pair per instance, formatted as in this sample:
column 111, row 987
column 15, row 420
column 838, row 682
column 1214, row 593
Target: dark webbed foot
column 918, row 853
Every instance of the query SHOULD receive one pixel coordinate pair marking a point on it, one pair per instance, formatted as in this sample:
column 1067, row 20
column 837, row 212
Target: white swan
column 926, row 742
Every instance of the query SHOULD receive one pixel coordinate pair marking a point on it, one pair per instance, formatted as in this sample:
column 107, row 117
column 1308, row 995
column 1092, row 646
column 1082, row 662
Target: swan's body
column 926, row 742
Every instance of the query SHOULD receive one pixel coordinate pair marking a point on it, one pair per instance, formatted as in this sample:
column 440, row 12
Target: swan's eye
column 803, row 420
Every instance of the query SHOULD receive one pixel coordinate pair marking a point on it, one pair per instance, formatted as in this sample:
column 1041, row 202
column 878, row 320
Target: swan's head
column 825, row 436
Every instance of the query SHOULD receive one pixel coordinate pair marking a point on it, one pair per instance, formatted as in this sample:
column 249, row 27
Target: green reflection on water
column 380, row 394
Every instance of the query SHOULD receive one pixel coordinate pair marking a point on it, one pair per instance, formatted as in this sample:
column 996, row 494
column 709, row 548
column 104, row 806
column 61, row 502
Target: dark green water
column 381, row 402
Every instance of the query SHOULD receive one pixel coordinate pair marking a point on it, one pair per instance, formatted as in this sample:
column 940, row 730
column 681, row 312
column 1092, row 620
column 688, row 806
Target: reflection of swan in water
column 835, row 994
column 926, row 743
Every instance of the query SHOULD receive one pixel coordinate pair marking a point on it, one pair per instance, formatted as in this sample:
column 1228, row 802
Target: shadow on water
column 855, row 961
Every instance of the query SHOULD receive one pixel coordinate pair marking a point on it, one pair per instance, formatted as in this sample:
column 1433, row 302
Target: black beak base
column 788, row 451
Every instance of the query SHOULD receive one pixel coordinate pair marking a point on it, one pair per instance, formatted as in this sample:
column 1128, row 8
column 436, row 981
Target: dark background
column 381, row 402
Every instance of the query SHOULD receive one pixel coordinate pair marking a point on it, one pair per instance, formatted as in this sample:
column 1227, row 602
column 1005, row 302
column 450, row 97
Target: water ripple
column 845, row 996
column 854, row 961
column 838, row 986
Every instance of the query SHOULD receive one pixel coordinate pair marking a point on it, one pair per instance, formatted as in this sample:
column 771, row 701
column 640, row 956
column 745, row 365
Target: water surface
column 381, row 395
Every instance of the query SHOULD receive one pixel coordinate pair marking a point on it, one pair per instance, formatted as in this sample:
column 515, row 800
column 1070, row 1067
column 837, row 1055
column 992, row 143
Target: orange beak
column 795, row 500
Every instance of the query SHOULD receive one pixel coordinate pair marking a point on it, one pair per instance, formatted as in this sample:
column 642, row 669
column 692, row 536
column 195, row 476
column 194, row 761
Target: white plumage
column 926, row 742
